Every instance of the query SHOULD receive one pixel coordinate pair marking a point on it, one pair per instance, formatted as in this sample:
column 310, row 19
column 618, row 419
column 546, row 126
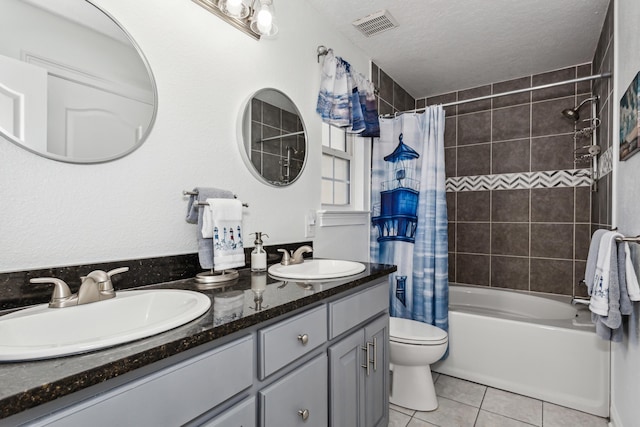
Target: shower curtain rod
column 516, row 91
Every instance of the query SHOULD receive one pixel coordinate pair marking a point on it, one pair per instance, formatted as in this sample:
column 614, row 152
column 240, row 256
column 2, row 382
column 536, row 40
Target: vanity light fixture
column 254, row 17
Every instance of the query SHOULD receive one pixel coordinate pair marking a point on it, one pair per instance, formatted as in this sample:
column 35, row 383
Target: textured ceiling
column 446, row 45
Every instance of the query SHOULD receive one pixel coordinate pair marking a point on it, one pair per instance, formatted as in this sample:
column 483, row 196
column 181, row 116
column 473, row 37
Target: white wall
column 626, row 355
column 54, row 214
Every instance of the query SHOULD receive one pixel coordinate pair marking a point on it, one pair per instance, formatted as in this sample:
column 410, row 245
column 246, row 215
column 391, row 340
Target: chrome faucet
column 95, row 286
column 296, row 256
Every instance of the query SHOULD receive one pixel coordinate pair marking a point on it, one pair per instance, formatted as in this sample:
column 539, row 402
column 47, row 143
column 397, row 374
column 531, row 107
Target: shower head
column 572, row 113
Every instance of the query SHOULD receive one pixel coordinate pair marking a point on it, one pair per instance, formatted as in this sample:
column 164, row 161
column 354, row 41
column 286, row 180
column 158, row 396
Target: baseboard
column 614, row 418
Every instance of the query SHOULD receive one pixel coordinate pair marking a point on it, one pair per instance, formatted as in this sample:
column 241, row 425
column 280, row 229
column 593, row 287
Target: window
column 337, row 156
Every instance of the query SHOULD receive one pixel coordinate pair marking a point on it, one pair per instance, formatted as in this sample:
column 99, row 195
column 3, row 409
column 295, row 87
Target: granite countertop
column 29, row 384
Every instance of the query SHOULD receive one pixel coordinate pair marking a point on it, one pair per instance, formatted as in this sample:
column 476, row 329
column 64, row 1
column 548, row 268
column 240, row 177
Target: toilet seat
column 409, row 331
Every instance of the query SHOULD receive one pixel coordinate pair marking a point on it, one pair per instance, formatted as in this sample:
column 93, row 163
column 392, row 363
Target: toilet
column 413, row 347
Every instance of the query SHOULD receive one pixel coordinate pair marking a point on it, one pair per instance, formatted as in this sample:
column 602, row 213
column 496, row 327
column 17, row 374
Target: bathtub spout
column 576, row 301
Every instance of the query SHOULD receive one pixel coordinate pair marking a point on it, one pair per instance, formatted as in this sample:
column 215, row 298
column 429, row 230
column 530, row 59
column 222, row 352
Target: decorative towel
column 610, row 327
column 223, row 221
column 367, row 95
column 605, row 271
column 590, row 270
column 632, row 280
column 355, row 110
column 195, row 214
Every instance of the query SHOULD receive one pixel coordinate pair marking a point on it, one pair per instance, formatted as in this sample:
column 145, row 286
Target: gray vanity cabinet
column 358, row 372
column 323, row 365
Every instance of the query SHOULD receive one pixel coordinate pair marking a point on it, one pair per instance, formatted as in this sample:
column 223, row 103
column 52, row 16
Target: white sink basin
column 41, row 332
column 317, row 269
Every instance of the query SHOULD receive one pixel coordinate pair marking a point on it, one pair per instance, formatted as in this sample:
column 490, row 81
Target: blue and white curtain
column 409, row 214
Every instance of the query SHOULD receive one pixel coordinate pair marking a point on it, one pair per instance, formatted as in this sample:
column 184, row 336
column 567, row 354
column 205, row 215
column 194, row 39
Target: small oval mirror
column 272, row 139
column 74, row 86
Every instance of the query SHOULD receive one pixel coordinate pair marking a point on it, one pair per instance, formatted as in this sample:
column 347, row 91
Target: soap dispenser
column 259, row 255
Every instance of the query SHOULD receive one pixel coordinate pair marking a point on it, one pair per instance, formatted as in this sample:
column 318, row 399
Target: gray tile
column 554, row 77
column 401, row 409
column 450, row 131
column 472, row 269
column 552, row 153
column 547, row 118
column 450, row 413
column 511, row 123
column 460, row 390
column 419, row 423
column 473, row 206
column 473, row 237
column 398, row 419
column 583, row 239
column 451, row 206
column 474, row 160
column 469, row 107
column 489, row 419
column 510, row 205
column 510, row 272
column 511, row 156
column 514, row 406
column 583, row 204
column 450, row 160
column 552, row 204
column 552, row 275
column 558, row 416
column 515, row 99
column 474, row 128
column 510, row 239
column 552, row 241
column 445, row 99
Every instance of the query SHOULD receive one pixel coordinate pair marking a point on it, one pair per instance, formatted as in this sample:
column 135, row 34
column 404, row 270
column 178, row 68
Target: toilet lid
column 414, row 332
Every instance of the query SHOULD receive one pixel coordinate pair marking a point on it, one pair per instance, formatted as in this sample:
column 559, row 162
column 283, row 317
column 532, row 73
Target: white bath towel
column 222, row 220
column 632, row 280
column 599, row 303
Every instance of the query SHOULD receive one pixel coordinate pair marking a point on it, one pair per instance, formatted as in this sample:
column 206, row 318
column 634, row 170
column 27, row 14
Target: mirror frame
column 241, row 137
column 148, row 129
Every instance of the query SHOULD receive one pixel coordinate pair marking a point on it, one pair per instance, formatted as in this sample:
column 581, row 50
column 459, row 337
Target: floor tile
column 402, row 409
column 415, row 422
column 449, row 413
column 460, row 390
column 559, row 416
column 489, row 419
column 398, row 419
column 513, row 405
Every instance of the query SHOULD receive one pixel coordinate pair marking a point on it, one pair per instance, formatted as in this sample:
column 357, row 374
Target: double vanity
column 300, row 352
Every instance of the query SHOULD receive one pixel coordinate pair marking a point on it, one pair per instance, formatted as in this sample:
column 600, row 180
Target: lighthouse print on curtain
column 409, row 214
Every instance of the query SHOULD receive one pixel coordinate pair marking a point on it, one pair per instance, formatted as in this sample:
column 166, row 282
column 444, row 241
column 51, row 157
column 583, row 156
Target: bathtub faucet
column 578, row 300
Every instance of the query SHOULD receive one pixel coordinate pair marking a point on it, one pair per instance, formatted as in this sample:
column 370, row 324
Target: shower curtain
column 409, row 214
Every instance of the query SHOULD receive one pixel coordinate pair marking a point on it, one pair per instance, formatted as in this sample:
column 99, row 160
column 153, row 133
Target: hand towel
column 632, row 279
column 223, row 221
column 355, row 110
column 626, row 306
column 367, row 95
column 195, row 216
column 590, row 270
column 605, row 270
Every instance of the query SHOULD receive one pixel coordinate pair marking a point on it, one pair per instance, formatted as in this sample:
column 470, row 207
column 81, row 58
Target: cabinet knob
column 303, row 338
column 304, row 414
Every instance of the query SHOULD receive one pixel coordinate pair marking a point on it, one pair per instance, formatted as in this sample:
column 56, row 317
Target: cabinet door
column 376, row 390
column 297, row 399
column 347, row 376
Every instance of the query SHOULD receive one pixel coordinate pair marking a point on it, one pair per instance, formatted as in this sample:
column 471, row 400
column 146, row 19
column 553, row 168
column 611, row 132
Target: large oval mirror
column 74, row 86
column 272, row 139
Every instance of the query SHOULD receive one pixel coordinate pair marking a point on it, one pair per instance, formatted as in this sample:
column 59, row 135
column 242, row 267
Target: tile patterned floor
column 466, row 404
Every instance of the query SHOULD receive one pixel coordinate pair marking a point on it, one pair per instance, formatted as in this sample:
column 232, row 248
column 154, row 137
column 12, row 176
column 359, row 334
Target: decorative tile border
column 523, row 180
column 605, row 163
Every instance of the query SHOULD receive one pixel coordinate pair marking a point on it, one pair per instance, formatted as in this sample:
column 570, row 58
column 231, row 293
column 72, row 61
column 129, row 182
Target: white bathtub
column 527, row 344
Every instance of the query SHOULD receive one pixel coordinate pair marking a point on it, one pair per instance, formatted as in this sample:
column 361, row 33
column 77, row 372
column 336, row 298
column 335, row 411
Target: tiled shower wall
column 530, row 229
column 520, row 211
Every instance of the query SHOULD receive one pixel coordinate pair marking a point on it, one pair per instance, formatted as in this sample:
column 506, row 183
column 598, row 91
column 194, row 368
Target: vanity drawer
column 171, row 396
column 242, row 414
column 348, row 312
column 298, row 399
column 290, row 339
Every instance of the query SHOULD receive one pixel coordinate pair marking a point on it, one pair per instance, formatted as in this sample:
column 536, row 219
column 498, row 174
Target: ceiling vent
column 375, row 23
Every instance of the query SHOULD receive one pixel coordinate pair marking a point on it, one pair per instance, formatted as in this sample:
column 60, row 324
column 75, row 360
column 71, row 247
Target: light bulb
column 234, row 7
column 265, row 21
